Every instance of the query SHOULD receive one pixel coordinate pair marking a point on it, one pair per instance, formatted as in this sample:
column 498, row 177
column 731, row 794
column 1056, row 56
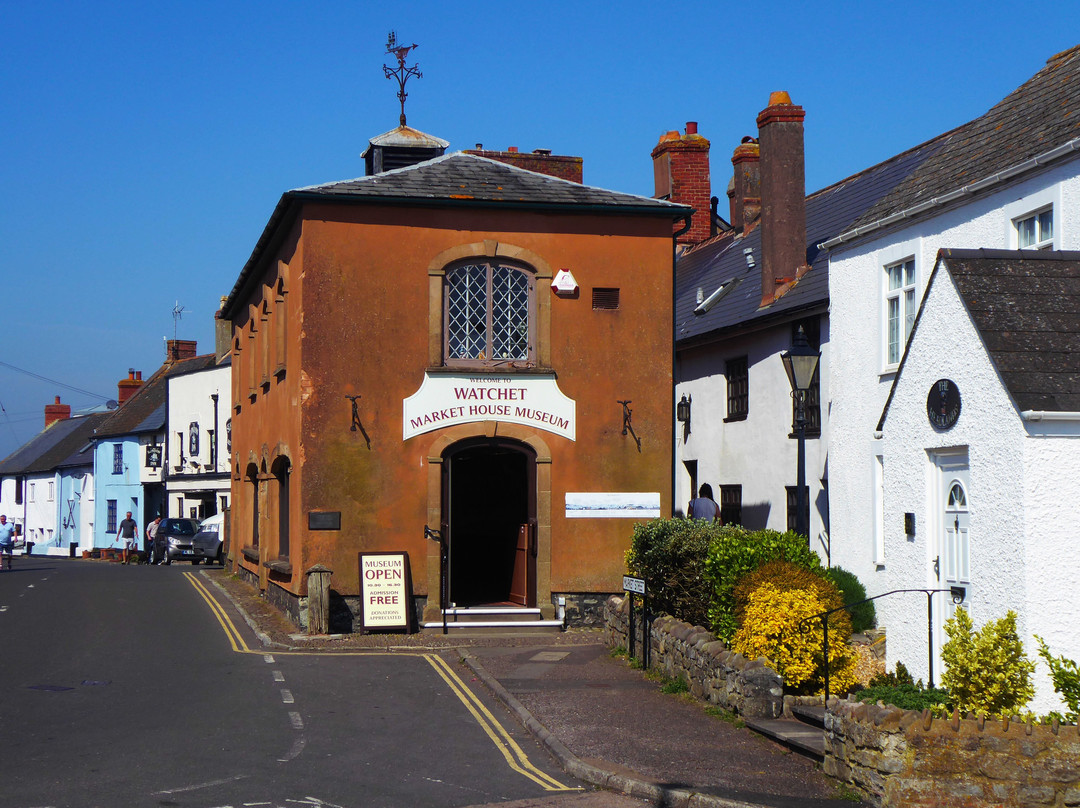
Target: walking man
column 7, row 540
column 127, row 532
column 151, row 540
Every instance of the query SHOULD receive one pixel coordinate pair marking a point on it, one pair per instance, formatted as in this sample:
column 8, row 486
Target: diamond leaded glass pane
column 509, row 314
column 466, row 312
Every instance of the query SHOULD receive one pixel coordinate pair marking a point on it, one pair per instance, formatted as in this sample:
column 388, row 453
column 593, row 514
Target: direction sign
column 633, row 584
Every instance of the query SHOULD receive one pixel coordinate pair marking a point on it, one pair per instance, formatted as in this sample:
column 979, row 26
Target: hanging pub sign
column 385, row 592
column 446, row 399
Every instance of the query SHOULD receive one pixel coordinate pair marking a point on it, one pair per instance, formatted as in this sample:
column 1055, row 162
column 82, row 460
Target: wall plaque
column 324, row 520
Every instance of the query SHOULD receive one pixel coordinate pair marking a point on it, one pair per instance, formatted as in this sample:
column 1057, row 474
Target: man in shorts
column 7, row 540
column 126, row 532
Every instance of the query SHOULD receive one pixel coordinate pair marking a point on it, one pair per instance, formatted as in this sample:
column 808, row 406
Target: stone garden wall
column 692, row 653
column 904, row 758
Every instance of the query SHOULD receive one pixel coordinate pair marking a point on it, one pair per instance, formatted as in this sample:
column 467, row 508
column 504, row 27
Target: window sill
column 732, row 418
column 279, row 372
column 490, row 370
column 280, row 566
column 810, row 433
column 251, row 554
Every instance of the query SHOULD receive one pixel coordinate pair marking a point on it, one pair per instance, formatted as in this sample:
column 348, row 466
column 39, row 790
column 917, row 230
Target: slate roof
column 145, row 410
column 455, row 180
column 1038, row 117
column 62, row 445
column 1026, row 305
column 408, row 137
column 723, row 259
column 462, row 178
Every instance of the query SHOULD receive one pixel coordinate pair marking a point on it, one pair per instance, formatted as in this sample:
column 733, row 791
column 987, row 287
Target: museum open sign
column 385, row 591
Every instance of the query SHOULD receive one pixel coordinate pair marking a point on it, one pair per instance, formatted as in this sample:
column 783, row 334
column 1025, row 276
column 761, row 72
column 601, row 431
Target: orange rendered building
column 447, row 345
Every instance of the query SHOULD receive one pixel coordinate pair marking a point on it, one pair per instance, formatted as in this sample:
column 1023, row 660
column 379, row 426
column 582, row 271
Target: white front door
column 951, row 565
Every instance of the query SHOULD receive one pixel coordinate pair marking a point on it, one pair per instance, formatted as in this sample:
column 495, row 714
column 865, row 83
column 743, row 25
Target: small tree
column 986, row 672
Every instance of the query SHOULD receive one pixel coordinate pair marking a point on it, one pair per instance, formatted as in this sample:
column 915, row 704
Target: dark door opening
column 489, row 508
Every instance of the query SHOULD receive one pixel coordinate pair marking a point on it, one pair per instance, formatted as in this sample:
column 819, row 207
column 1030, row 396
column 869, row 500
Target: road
column 140, row 686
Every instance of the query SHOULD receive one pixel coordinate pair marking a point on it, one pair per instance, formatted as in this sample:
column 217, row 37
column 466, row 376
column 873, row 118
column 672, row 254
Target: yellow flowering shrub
column 770, row 629
column 986, row 672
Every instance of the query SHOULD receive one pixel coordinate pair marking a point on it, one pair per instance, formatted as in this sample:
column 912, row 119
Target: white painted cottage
column 980, row 442
column 197, row 481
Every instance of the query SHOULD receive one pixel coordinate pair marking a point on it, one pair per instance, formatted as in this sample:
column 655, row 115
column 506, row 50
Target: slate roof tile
column 61, row 445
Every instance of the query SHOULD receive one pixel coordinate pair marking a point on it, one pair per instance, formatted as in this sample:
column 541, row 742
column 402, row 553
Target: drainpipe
column 674, row 354
column 217, row 433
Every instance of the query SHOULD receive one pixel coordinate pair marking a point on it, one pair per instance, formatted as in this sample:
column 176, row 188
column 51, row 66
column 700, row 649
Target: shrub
column 863, row 616
column 900, row 690
column 786, row 576
column 1065, row 675
column 670, row 555
column 986, row 672
column 770, row 629
column 735, row 551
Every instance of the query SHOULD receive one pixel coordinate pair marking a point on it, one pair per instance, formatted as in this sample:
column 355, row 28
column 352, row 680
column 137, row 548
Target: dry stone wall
column 692, row 653
column 904, row 758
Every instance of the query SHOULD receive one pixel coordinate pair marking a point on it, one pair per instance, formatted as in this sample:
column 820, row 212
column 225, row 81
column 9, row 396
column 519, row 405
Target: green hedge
column 670, row 555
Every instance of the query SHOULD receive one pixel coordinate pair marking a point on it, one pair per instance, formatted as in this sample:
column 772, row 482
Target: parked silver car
column 207, row 541
column 174, row 539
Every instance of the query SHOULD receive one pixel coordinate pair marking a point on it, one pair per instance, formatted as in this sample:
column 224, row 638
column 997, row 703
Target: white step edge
column 493, row 610
column 522, row 624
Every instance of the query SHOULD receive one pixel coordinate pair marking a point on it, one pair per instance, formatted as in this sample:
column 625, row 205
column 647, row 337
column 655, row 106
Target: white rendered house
column 197, row 443
column 980, row 443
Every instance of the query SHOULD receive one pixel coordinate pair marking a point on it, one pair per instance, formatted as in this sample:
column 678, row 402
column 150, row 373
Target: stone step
column 487, row 614
column 500, row 628
column 813, row 715
column 795, row 735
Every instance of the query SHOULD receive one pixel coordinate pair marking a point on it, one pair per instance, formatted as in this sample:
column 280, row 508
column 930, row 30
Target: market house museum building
column 458, row 344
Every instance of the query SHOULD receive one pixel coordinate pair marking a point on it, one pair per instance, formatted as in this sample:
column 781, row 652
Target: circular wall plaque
column 943, row 404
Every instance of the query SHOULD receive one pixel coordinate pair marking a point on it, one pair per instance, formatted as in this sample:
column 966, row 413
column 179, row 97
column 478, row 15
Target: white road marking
column 279, row 676
column 209, row 784
column 269, row 659
column 286, row 696
column 296, row 721
column 297, row 748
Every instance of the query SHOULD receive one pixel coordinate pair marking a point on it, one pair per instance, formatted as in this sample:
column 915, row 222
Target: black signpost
column 632, row 586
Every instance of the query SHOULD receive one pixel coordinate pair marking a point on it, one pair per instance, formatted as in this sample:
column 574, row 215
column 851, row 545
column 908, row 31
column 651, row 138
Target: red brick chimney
column 177, row 349
column 542, row 161
column 56, row 412
column 681, row 174
column 783, row 196
column 746, row 193
column 126, row 388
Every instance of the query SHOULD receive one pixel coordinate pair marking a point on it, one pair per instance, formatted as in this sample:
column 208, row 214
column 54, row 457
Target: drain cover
column 550, row 656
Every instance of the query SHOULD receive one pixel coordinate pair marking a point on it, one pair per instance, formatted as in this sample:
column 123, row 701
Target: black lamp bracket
column 627, row 426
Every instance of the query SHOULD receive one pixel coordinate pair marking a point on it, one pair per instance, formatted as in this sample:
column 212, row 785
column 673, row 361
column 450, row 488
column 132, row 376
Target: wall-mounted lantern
column 682, row 411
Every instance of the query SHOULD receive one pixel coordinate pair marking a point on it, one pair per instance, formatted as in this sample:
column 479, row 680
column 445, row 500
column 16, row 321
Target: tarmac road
column 133, row 685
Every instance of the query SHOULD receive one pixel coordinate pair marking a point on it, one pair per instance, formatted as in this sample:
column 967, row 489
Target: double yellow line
column 515, row 757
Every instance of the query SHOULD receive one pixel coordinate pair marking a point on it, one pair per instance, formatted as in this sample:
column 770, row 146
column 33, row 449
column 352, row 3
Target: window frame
column 110, row 516
column 791, row 497
column 737, row 388
column 118, row 458
column 490, row 264
column 905, row 294
column 1039, row 219
column 731, row 504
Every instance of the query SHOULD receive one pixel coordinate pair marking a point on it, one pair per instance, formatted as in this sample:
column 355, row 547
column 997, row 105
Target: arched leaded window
column 488, row 315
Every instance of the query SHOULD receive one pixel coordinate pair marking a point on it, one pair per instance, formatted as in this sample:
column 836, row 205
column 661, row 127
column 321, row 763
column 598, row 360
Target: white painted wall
column 41, row 508
column 190, row 402
column 756, row 452
column 1023, row 496
column 861, row 381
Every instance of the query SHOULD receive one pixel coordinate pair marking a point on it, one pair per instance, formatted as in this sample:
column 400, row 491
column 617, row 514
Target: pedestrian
column 127, row 532
column 151, row 539
column 704, row 506
column 7, row 540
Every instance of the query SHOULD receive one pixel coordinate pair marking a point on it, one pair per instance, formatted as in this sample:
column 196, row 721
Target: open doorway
column 489, row 513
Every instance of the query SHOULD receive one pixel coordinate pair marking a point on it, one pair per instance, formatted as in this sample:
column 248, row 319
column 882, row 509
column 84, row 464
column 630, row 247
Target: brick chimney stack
column 222, row 332
column 126, row 388
column 56, row 412
column 783, row 196
column 746, row 193
column 542, row 161
column 177, row 349
column 681, row 174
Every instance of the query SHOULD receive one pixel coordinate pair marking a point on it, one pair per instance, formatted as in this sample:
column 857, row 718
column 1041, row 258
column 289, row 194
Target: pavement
column 605, row 721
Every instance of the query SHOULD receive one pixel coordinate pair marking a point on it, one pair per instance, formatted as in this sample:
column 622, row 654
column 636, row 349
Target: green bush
column 670, row 555
column 863, row 616
column 986, row 672
column 735, row 551
column 1065, row 675
column 900, row 690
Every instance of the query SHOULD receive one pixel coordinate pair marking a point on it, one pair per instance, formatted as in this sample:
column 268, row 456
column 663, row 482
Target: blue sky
column 144, row 145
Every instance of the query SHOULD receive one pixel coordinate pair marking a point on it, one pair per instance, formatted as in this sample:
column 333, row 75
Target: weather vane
column 401, row 72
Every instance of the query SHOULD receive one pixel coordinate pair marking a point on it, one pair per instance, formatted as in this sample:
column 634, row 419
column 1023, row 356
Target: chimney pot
column 512, row 149
column 779, row 97
column 691, row 127
column 56, row 412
